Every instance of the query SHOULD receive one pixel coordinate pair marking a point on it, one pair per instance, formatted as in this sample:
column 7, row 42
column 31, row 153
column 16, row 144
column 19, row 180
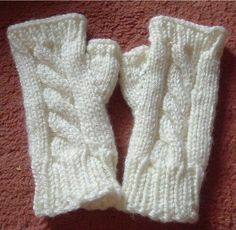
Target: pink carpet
column 125, row 22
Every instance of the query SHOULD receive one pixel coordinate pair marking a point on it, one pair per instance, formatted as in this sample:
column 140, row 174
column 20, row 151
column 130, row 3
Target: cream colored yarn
column 171, row 87
column 65, row 88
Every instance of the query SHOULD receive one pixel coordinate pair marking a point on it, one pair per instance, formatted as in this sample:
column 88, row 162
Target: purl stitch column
column 171, row 86
column 66, row 85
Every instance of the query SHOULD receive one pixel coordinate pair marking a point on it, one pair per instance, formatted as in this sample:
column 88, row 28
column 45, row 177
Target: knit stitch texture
column 171, row 87
column 66, row 85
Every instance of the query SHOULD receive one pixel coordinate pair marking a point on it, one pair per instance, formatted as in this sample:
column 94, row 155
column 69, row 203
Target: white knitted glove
column 171, row 87
column 65, row 89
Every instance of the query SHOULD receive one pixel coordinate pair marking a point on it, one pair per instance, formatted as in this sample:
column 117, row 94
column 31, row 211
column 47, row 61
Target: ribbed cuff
column 83, row 182
column 50, row 32
column 194, row 37
column 163, row 193
column 67, row 175
column 170, row 142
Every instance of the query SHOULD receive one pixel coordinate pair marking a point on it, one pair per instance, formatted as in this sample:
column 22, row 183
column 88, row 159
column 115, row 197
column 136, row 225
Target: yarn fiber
column 171, row 87
column 66, row 85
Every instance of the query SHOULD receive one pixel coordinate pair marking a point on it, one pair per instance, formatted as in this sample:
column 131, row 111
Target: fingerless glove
column 171, row 86
column 66, row 85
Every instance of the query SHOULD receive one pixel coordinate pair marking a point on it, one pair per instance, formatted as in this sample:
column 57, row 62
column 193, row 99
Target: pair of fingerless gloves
column 171, row 86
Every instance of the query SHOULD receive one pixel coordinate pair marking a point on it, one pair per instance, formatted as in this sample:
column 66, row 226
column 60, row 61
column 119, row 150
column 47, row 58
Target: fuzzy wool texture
column 65, row 88
column 126, row 23
column 171, row 86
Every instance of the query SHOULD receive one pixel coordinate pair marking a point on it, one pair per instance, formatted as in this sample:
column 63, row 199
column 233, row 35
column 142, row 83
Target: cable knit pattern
column 171, row 87
column 65, row 90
